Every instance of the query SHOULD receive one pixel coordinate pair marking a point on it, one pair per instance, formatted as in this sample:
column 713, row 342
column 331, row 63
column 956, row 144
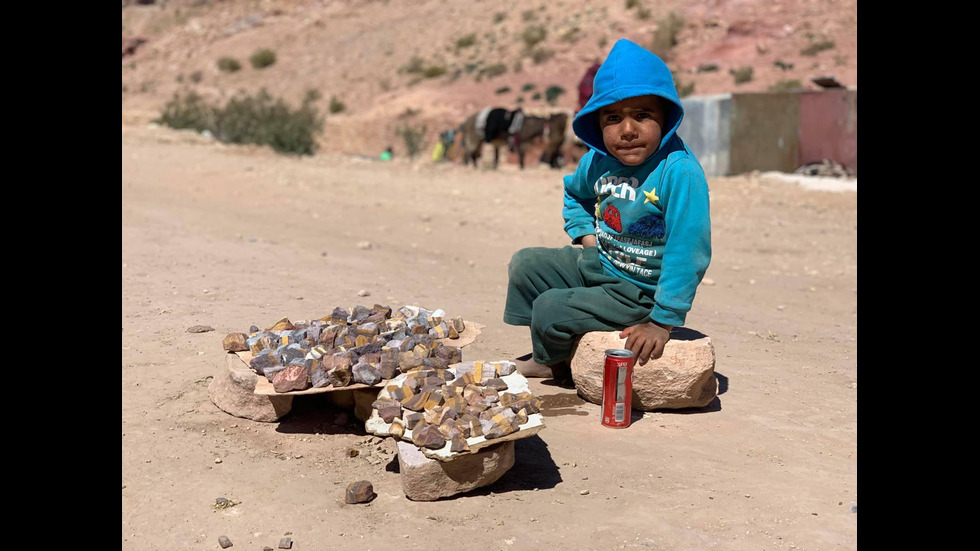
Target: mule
column 497, row 132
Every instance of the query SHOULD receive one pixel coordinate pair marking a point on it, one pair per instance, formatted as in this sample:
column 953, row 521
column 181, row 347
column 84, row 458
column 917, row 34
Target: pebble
column 285, row 543
column 363, row 293
column 707, row 281
column 584, row 492
column 200, row 329
column 224, row 542
column 364, row 245
column 217, row 460
column 854, row 508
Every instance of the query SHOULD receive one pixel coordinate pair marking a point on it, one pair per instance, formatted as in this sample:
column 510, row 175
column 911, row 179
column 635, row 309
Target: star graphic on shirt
column 651, row 196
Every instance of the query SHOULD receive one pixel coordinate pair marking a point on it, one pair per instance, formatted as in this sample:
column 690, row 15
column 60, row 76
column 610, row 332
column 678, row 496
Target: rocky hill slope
column 430, row 63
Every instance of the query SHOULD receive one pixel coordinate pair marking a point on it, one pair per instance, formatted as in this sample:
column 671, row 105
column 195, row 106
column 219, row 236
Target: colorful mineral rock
column 361, row 491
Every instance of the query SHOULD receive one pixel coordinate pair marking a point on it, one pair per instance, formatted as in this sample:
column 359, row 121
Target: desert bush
column 262, row 59
column 643, row 13
column 494, row 70
column 246, row 119
column 336, row 106
column 529, row 15
column 540, row 55
column 571, row 36
column 742, row 74
column 412, row 135
column 533, row 34
column 536, row 96
column 499, row 16
column 552, row 92
column 502, row 90
column 630, row 4
column 603, row 40
column 817, row 47
column 433, row 71
column 229, row 65
column 196, row 77
column 707, row 68
column 465, row 41
column 528, row 87
column 519, row 99
column 782, row 65
column 786, row 86
column 414, row 65
column 189, row 111
column 665, row 37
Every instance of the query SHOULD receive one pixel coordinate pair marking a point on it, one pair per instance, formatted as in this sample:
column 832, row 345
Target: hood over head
column 628, row 71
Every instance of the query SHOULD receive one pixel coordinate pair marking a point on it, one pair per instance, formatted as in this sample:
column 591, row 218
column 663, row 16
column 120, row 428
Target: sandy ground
column 233, row 236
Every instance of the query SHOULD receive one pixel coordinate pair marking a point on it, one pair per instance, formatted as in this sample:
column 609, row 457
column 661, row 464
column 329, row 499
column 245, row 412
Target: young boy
column 638, row 205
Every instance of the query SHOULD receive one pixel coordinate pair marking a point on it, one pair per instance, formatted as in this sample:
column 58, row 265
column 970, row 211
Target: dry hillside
column 361, row 52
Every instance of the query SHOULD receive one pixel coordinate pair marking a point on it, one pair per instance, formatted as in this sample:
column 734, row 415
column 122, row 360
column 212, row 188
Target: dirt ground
column 229, row 237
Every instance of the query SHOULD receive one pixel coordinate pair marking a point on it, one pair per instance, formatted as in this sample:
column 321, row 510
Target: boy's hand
column 646, row 340
column 588, row 241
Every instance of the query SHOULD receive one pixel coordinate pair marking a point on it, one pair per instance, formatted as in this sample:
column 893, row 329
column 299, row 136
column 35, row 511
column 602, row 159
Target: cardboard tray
column 264, row 387
column 516, row 383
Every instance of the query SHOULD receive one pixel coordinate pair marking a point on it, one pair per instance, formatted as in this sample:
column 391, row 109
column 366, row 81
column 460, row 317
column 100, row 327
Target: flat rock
column 684, row 377
column 425, row 479
column 233, row 391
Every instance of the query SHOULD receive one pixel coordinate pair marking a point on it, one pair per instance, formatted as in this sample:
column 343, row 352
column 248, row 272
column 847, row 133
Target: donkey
column 500, row 127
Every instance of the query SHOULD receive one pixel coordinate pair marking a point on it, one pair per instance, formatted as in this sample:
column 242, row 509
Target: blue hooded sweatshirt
column 651, row 221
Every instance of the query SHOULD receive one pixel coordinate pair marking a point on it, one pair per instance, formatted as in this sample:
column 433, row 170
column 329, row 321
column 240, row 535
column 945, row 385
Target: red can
column 617, row 388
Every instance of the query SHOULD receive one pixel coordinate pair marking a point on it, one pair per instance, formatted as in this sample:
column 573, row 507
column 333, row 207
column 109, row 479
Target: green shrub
column 529, row 15
column 519, row 99
column 499, row 16
column 336, row 106
column 742, row 74
column 786, row 86
column 494, row 70
column 536, row 96
column 196, row 77
column 229, row 65
column 552, row 92
column 603, row 40
column 262, row 59
column 465, row 41
column 415, row 65
column 245, row 119
column 817, row 47
column 630, row 4
column 540, row 55
column 533, row 34
column 643, row 13
column 188, row 112
column 433, row 71
column 707, row 68
column 412, row 135
column 571, row 36
column 502, row 90
column 665, row 37
column 528, row 87
column 783, row 65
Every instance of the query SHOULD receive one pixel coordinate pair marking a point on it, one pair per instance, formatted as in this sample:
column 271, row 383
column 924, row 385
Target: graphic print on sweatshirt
column 638, row 249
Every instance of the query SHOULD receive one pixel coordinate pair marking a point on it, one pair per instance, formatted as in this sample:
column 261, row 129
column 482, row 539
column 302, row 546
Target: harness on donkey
column 493, row 121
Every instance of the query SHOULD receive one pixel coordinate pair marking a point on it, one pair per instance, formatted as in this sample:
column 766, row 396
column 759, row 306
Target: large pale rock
column 684, row 377
column 425, row 479
column 233, row 391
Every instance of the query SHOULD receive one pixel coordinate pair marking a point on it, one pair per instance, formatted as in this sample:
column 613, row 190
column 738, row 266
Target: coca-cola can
column 617, row 388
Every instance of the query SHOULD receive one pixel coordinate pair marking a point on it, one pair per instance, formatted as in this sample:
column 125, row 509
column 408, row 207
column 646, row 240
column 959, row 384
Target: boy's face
column 632, row 128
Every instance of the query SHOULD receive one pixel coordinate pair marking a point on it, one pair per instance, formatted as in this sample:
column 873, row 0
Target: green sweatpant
column 561, row 294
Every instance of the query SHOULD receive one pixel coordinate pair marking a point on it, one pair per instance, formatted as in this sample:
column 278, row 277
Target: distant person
column 638, row 205
column 585, row 85
column 386, row 154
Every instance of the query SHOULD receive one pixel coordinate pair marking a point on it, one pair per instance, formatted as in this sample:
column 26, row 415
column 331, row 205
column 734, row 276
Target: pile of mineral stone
column 456, row 410
column 351, row 345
